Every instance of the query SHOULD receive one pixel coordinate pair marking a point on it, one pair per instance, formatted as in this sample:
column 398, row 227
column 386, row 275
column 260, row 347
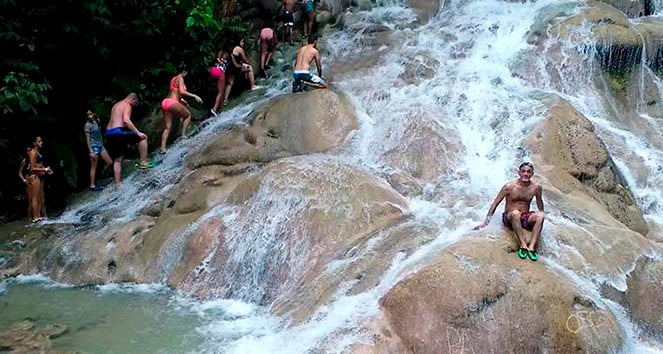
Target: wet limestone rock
column 316, row 121
column 580, row 162
column 26, row 337
column 476, row 297
column 424, row 9
column 632, row 8
column 302, row 212
column 644, row 296
column 426, row 148
column 617, row 40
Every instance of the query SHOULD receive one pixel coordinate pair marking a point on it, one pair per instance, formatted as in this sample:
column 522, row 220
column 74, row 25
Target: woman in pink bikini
column 218, row 74
column 175, row 104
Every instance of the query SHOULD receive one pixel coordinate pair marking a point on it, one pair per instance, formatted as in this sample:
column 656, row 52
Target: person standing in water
column 304, row 56
column 95, row 147
column 517, row 215
column 268, row 43
column 36, row 180
column 307, row 9
column 218, row 74
column 121, row 132
column 239, row 65
column 288, row 20
column 174, row 104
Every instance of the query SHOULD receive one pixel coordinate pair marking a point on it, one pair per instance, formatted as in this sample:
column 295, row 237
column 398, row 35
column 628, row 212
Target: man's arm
column 539, row 197
column 498, row 199
column 318, row 63
column 126, row 118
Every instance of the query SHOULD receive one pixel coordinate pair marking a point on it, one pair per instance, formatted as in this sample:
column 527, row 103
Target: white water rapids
column 474, row 54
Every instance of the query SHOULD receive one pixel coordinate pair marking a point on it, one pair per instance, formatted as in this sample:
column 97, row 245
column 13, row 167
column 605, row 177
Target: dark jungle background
column 61, row 57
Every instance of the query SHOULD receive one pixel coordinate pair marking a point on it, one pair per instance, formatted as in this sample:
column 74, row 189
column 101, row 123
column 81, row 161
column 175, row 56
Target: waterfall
column 472, row 76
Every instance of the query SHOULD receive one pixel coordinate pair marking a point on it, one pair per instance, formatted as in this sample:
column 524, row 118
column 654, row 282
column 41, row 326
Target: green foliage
column 60, row 58
column 617, row 80
column 21, row 92
column 67, row 161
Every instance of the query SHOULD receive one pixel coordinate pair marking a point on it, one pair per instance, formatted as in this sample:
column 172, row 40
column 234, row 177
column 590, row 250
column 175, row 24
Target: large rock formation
column 579, row 162
column 474, row 297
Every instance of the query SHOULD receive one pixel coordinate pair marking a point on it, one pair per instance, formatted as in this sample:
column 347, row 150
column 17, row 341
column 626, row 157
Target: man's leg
column 536, row 218
column 117, row 170
column 142, row 150
column 514, row 218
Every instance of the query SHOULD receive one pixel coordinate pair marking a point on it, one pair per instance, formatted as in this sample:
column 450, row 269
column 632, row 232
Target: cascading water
column 472, row 77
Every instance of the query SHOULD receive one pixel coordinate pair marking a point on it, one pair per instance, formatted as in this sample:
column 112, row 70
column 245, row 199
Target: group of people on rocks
column 122, row 133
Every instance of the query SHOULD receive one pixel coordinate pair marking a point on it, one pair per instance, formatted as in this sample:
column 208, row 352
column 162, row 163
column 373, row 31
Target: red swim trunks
column 524, row 221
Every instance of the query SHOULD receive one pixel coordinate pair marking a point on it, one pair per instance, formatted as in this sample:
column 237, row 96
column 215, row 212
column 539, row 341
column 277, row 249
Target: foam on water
column 475, row 87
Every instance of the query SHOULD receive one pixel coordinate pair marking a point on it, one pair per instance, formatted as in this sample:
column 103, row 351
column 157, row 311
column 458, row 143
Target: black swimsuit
column 232, row 69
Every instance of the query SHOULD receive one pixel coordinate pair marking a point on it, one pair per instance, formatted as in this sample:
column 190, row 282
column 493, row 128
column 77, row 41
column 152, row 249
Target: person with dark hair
column 36, row 180
column 268, row 42
column 121, row 132
column 174, row 104
column 304, row 56
column 239, row 64
column 517, row 215
column 218, row 74
column 95, row 147
column 288, row 20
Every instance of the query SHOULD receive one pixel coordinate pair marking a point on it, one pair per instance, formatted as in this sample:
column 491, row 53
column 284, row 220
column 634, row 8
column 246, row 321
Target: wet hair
column 181, row 68
column 312, row 38
column 526, row 164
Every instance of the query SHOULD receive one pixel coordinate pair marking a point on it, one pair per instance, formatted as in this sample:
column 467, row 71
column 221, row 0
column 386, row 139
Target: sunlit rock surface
column 476, row 297
column 580, row 163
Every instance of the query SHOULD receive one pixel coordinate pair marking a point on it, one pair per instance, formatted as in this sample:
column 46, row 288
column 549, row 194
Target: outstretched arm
column 183, row 92
column 500, row 196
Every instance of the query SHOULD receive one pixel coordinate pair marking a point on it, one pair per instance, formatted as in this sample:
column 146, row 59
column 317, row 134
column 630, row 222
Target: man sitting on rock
column 517, row 216
column 304, row 56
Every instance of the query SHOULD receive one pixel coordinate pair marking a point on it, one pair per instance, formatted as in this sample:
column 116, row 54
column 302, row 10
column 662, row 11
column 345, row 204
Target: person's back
column 305, row 55
column 301, row 75
column 118, row 113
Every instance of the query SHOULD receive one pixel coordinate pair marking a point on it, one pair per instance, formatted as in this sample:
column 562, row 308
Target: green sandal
column 532, row 255
column 145, row 166
column 522, row 253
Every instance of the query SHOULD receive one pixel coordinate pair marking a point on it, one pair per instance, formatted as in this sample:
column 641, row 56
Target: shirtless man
column 288, row 19
column 121, row 132
column 305, row 55
column 517, row 216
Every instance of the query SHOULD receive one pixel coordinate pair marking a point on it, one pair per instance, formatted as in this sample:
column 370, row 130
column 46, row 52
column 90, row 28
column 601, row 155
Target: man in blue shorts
column 121, row 133
column 301, row 75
